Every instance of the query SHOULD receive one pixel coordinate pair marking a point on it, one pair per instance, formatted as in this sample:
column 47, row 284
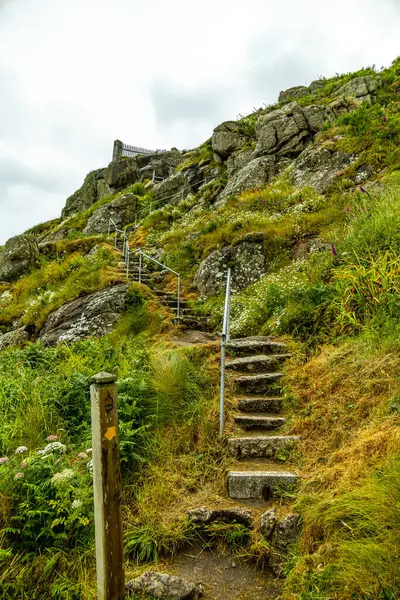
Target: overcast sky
column 77, row 74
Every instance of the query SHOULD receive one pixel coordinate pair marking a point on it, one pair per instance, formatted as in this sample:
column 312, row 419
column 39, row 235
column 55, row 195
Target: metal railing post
column 128, row 255
column 225, row 336
column 222, row 387
column 140, row 265
column 179, row 297
column 115, row 239
column 109, row 228
column 126, row 251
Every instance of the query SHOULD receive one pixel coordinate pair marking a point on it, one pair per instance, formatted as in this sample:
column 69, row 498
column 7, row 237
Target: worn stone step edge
column 249, row 421
column 258, row 484
column 260, row 446
column 254, row 348
column 273, row 405
column 256, row 364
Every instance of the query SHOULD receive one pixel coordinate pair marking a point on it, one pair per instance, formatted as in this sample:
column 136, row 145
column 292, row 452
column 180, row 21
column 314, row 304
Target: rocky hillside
column 301, row 200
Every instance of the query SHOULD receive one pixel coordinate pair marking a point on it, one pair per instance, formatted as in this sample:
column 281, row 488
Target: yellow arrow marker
column 111, row 433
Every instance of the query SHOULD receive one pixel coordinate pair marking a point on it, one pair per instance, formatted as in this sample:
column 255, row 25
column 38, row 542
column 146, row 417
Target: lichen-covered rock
column 288, row 130
column 164, row 586
column 173, row 189
column 126, row 171
column 282, row 131
column 318, row 168
column 285, row 535
column 300, row 91
column 14, row 338
column 361, row 88
column 255, row 174
column 93, row 315
column 238, row 160
column 94, row 188
column 316, row 116
column 293, row 93
column 122, row 211
column 246, row 259
column 268, row 523
column 227, row 138
column 342, row 105
column 19, row 255
column 206, row 516
column 54, row 236
column 161, row 165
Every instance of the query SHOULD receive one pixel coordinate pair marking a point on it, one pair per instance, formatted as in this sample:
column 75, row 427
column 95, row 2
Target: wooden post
column 107, row 488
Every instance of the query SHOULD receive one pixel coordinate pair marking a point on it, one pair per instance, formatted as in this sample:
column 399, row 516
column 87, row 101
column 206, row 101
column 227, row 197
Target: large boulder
column 122, row 211
column 300, row 91
column 360, row 88
column 126, row 171
column 227, row 138
column 17, row 337
column 19, row 255
column 246, row 258
column 319, row 168
column 164, row 586
column 94, row 315
column 255, row 174
column 293, row 93
column 173, row 189
column 238, row 160
column 93, row 189
column 288, row 130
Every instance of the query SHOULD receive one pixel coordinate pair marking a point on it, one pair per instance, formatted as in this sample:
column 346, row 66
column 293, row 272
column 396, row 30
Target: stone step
column 260, row 405
column 133, row 268
column 255, row 345
column 258, row 484
column 174, row 303
column 259, row 421
column 169, row 295
column 261, row 446
column 143, row 279
column 256, row 364
column 191, row 322
column 258, row 384
column 185, row 312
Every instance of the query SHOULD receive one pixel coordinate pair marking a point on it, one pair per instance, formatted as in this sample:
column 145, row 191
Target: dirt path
column 223, row 577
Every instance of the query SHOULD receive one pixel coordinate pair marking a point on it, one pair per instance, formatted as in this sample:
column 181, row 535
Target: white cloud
column 77, row 74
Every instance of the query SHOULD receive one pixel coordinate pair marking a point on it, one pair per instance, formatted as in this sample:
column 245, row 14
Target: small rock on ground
column 165, row 586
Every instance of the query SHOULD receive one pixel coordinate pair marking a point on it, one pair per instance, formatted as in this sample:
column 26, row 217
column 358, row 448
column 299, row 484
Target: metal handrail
column 127, row 253
column 225, row 337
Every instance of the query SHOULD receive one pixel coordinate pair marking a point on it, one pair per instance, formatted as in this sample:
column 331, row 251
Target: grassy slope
column 342, row 384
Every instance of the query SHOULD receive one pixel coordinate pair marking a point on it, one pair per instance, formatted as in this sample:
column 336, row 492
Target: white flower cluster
column 63, row 477
column 53, row 447
column 251, row 306
column 21, row 450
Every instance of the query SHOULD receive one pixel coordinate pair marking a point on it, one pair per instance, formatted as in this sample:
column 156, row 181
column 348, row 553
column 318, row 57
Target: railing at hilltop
column 120, row 149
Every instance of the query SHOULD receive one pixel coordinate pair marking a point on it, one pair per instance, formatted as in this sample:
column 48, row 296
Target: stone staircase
column 254, row 367
column 153, row 279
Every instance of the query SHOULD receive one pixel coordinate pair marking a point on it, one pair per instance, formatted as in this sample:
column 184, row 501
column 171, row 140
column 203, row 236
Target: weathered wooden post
column 107, row 488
